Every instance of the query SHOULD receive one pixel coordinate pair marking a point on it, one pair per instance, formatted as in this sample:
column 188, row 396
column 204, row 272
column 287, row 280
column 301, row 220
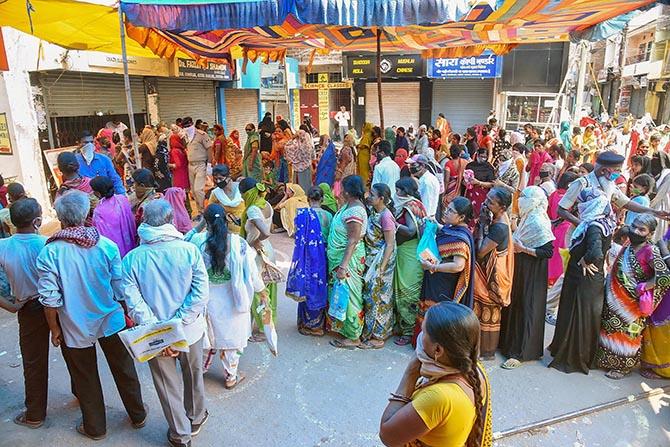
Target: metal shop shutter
column 464, row 102
column 84, row 94
column 179, row 98
column 400, row 101
column 241, row 109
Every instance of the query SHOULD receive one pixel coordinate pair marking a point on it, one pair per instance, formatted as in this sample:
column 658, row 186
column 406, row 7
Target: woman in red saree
column 453, row 175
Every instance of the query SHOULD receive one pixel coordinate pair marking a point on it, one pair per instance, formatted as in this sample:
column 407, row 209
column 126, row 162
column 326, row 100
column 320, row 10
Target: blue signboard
column 475, row 67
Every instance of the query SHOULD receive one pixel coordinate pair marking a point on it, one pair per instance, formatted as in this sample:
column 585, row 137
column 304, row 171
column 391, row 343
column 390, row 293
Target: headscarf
column 516, row 137
column 483, row 171
column 291, row 206
column 235, row 137
column 181, row 219
column 400, row 157
column 329, row 200
column 534, row 228
column 366, row 136
column 106, row 133
column 325, row 170
column 389, row 135
column 148, row 137
column 253, row 197
column 566, row 135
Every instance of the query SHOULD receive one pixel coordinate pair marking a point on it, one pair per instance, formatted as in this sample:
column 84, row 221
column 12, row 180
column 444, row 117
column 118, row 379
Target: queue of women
column 462, row 246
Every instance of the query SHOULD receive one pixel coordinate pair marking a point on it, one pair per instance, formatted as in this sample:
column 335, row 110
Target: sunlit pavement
column 315, row 395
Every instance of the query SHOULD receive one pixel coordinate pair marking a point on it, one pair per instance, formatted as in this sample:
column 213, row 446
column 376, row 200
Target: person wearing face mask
column 639, row 280
column 484, row 179
column 18, row 255
column 92, row 164
column 547, row 179
column 227, row 194
column 443, row 398
column 577, row 327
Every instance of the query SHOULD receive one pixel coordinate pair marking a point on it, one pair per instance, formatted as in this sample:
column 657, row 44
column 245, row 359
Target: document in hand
column 146, row 341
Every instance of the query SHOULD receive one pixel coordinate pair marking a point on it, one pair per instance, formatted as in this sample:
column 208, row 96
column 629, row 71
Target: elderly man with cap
column 422, row 147
column 429, row 185
column 165, row 278
column 578, row 324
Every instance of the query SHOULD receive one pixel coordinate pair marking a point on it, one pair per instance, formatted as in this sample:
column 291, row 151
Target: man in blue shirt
column 92, row 164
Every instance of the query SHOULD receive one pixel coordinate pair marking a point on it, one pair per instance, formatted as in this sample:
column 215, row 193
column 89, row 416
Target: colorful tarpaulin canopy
column 437, row 28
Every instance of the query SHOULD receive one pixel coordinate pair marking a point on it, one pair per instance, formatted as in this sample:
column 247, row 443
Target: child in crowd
column 639, row 193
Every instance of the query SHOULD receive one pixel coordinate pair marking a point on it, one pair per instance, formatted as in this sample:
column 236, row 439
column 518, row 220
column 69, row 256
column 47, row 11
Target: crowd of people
column 459, row 245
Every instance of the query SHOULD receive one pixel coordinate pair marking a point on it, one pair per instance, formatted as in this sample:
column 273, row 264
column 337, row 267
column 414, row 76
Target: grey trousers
column 553, row 295
column 183, row 404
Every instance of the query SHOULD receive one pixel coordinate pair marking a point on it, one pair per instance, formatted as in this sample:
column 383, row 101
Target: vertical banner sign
column 324, row 120
column 296, row 108
column 5, row 141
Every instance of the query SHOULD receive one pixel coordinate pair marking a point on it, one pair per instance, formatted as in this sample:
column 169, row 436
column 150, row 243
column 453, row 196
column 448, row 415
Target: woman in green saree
column 346, row 260
column 409, row 213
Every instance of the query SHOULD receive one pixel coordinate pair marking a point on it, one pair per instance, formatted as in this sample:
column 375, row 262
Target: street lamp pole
column 379, row 77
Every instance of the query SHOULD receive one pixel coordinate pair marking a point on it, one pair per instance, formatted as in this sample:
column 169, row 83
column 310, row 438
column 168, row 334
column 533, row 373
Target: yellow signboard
column 323, row 78
column 324, row 120
column 296, row 108
column 329, row 85
column 5, row 141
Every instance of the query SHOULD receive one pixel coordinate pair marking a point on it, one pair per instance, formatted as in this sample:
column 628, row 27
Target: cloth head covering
column 148, row 137
column 534, row 228
column 115, row 220
column 401, row 157
column 329, row 200
column 254, row 196
column 516, row 137
column 389, row 135
column 610, row 158
column 366, row 136
column 176, row 197
column 325, row 170
column 235, row 137
column 566, row 135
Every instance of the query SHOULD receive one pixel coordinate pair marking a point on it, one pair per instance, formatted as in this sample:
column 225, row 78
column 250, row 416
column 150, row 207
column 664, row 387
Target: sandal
column 311, row 332
column 230, row 384
column 20, row 419
column 614, row 375
column 258, row 338
column 649, row 374
column 371, row 344
column 511, row 364
column 343, row 345
column 82, row 431
column 403, row 341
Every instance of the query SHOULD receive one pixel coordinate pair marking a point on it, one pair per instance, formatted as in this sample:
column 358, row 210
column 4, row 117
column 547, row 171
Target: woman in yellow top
column 294, row 199
column 363, row 158
column 227, row 194
column 444, row 396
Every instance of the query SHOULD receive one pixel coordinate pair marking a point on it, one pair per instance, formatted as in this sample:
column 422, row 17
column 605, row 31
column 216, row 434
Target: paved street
column 315, row 395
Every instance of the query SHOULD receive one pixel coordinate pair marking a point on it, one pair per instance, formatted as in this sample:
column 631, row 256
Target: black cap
column 610, row 158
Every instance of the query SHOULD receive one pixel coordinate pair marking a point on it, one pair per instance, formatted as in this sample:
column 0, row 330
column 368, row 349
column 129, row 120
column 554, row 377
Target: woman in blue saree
column 325, row 170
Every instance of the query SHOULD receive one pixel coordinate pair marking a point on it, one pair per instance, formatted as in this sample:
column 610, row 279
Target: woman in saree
column 409, row 214
column 453, row 175
column 299, row 154
column 444, row 396
column 280, row 137
column 144, row 191
column 294, row 199
column 346, row 163
column 484, row 179
column 346, row 260
column 639, row 280
column 380, row 263
column 522, row 333
column 329, row 202
column 148, row 142
column 255, row 226
column 227, row 194
column 325, row 169
column 235, row 157
column 494, row 268
column 307, row 280
column 364, row 152
column 655, row 360
column 251, row 161
column 112, row 216
column 234, row 280
column 451, row 279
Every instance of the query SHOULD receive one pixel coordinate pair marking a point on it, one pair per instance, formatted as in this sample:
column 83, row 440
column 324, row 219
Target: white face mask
column 87, row 151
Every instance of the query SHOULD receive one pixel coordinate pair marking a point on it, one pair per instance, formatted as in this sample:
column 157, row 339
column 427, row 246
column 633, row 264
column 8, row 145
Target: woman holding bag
column 409, row 213
column 346, row 260
column 494, row 267
column 638, row 282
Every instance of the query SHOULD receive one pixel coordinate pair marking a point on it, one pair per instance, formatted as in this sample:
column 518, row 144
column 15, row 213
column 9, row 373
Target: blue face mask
column 614, row 175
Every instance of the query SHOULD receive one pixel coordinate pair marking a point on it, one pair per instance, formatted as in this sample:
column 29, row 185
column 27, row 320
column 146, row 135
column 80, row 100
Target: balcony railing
column 637, row 58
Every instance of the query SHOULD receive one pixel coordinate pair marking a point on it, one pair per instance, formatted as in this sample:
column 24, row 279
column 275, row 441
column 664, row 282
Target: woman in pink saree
column 113, row 216
column 559, row 227
column 177, row 197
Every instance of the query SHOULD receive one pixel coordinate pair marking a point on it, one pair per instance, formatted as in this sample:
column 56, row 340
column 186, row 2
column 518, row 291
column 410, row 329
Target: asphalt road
column 315, row 395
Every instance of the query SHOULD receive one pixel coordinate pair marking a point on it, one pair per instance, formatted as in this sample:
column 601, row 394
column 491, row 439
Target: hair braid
column 473, row 378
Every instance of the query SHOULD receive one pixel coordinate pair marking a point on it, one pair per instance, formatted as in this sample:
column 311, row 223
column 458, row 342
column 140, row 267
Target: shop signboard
column 273, row 82
column 475, row 67
column 5, row 141
column 189, row 68
column 391, row 65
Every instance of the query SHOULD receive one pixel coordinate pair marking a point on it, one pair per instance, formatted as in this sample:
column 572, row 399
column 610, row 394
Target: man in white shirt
column 165, row 278
column 117, row 126
column 429, row 185
column 386, row 171
column 342, row 117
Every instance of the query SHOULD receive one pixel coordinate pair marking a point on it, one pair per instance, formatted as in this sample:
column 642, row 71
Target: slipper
column 370, row 345
column 649, row 374
column 402, row 341
column 614, row 375
column 258, row 338
column 338, row 344
column 511, row 364
column 82, row 431
column 311, row 333
column 20, row 419
column 230, row 385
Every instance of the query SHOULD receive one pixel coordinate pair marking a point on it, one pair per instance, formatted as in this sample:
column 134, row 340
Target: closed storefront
column 400, row 101
column 241, row 109
column 464, row 102
column 179, row 97
column 78, row 101
column 637, row 97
